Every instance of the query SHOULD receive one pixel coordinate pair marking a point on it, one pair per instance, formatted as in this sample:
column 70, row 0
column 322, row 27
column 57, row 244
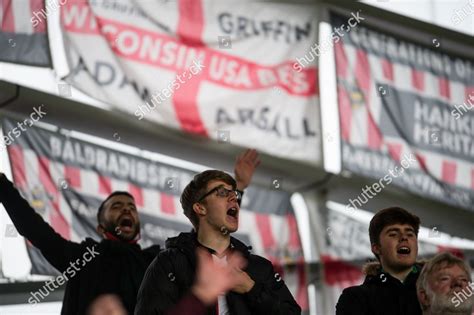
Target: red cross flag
column 223, row 70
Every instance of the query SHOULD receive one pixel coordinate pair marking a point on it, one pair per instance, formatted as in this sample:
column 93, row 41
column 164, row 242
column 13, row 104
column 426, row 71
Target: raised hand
column 245, row 166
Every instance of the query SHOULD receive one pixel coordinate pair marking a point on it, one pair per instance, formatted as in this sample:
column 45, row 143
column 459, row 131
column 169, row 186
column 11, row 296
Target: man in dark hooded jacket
column 115, row 265
column 390, row 284
column 210, row 201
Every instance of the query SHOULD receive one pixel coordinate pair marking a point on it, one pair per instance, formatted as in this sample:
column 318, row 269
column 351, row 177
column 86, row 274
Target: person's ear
column 100, row 229
column 423, row 298
column 199, row 208
column 375, row 249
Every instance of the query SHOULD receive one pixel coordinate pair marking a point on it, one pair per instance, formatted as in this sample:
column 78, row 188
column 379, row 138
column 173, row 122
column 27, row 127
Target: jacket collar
column 375, row 273
column 374, row 268
column 112, row 237
column 187, row 243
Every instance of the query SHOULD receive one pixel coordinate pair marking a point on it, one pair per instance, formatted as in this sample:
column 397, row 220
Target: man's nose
column 456, row 283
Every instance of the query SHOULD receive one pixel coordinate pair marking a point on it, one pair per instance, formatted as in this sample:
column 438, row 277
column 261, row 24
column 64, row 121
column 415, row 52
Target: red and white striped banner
column 398, row 98
column 23, row 36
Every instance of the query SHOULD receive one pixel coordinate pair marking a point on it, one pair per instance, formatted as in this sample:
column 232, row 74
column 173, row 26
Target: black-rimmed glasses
column 221, row 191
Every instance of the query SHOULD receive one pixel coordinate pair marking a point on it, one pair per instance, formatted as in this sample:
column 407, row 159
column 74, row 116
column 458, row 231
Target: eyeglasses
column 222, row 192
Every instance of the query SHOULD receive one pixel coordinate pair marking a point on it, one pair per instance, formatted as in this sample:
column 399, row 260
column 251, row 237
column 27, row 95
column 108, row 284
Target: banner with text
column 223, row 70
column 405, row 115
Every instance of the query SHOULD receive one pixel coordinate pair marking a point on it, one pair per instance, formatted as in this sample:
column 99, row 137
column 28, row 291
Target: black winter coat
column 381, row 294
column 170, row 276
column 88, row 268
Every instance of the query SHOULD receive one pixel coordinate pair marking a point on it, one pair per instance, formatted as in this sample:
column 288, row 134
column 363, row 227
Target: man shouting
column 211, row 202
column 116, row 264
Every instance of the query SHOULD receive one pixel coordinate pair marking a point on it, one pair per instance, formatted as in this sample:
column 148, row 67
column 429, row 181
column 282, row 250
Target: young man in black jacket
column 390, row 284
column 210, row 201
column 115, row 265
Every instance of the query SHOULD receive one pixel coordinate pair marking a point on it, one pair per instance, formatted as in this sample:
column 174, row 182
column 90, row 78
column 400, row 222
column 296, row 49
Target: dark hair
column 390, row 216
column 115, row 193
column 197, row 188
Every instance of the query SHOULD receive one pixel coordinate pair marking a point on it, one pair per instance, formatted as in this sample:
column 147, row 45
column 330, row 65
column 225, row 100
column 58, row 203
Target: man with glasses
column 118, row 263
column 171, row 286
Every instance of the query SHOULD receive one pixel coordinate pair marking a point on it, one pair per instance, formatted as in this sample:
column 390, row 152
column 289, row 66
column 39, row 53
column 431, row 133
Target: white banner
column 223, row 70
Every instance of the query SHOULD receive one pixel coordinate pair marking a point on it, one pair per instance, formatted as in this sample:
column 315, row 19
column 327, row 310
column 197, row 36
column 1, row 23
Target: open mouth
column 126, row 224
column 403, row 250
column 233, row 213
